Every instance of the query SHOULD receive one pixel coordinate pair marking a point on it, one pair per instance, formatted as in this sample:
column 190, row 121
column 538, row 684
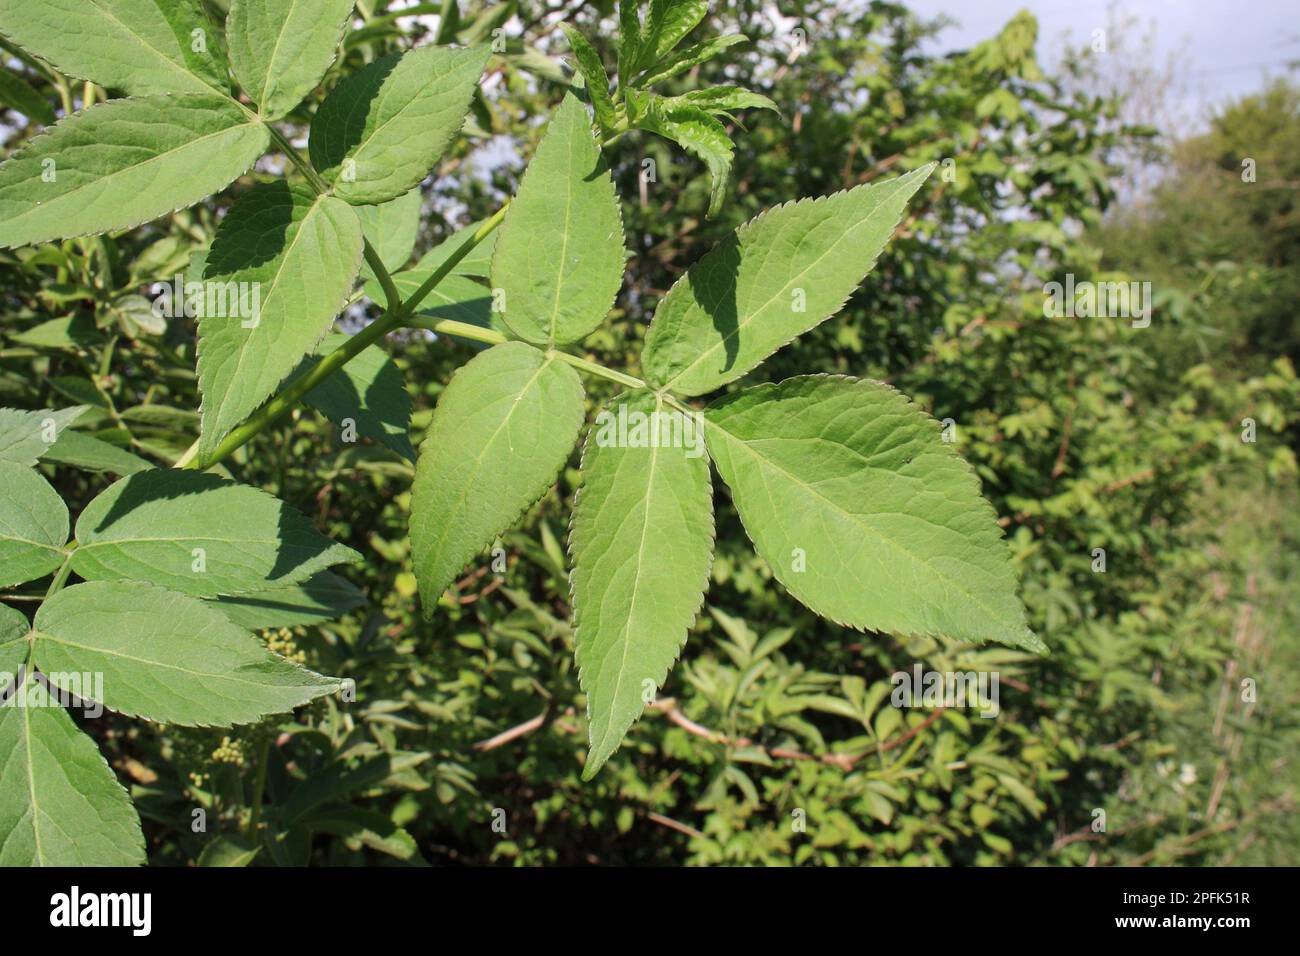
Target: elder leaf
column 502, row 430
column 381, row 130
column 198, row 534
column 122, row 163
column 290, row 257
column 640, row 547
column 26, row 436
column 368, row 394
column 166, row 656
column 137, row 46
column 560, row 290
column 60, row 804
column 864, row 513
column 781, row 274
column 280, row 49
column 33, row 526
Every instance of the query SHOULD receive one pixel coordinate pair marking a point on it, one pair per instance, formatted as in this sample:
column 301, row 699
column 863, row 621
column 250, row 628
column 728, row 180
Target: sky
column 1223, row 48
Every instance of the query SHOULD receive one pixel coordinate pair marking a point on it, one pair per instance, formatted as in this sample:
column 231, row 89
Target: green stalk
column 277, row 407
column 61, row 576
column 259, row 790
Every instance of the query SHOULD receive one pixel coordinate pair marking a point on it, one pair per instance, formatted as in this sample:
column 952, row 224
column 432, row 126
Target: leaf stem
column 61, row 576
column 272, row 411
column 453, row 260
column 593, row 368
column 259, row 790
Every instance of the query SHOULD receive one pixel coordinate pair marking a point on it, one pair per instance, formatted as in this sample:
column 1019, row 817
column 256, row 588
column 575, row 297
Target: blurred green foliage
column 775, row 741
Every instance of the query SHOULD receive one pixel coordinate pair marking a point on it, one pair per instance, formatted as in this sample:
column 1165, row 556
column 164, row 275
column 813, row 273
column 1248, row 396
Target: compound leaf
column 137, row 46
column 779, row 275
column 560, row 290
column 166, row 656
column 33, row 526
column 290, row 257
column 381, row 130
column 864, row 513
column 501, row 432
column 198, row 534
column 280, row 49
column 640, row 544
column 123, row 163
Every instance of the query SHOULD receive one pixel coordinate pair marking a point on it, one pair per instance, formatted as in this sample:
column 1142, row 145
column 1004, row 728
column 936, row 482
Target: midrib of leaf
column 144, row 43
column 564, row 245
column 275, row 51
column 856, row 519
column 279, row 272
column 144, row 162
column 31, row 781
column 741, row 325
column 42, row 636
column 478, row 458
column 38, row 544
column 631, row 610
column 397, row 114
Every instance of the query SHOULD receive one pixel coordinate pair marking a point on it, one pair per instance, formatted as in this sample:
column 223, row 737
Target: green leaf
column 166, row 657
column 137, row 46
column 669, row 21
column 502, row 430
column 477, row 262
column 18, row 96
column 864, row 513
column 391, row 228
column 322, row 597
column 696, row 130
column 60, row 804
column 640, row 544
column 123, row 163
column 33, row 526
column 692, row 56
column 25, row 436
column 455, row 297
column 70, row 332
column 228, row 851
column 14, row 630
column 280, row 49
column 560, row 290
column 369, row 392
column 381, row 130
column 291, row 257
column 593, row 72
column 147, row 527
column 722, row 99
column 91, row 454
column 629, row 39
column 779, row 275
